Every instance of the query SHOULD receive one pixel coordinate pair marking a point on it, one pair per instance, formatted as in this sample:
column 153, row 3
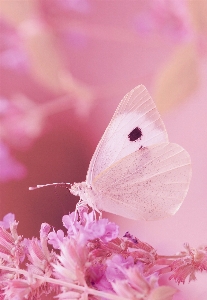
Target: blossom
column 87, row 261
column 88, row 228
column 193, row 260
column 137, row 286
column 72, row 261
column 101, row 229
column 7, row 220
column 17, row 289
column 13, row 252
column 11, row 247
column 55, row 238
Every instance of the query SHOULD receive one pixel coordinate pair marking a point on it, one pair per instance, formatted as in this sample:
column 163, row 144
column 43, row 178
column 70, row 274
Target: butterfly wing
column 148, row 184
column 135, row 124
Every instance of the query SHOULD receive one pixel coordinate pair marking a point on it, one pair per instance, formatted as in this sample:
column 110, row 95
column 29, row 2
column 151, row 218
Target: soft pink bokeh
column 64, row 67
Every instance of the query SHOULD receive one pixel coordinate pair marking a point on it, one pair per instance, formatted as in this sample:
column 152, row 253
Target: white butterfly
column 135, row 172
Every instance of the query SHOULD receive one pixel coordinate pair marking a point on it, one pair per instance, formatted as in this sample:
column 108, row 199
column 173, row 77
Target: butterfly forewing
column 135, row 124
column 148, row 184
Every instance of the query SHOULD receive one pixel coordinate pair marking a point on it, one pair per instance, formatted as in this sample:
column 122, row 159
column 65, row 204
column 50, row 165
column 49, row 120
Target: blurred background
column 64, row 67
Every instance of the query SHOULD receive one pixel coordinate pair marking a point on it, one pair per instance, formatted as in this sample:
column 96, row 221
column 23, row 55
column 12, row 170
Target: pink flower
column 17, row 290
column 40, row 260
column 137, row 286
column 193, row 260
column 73, row 295
column 71, row 267
column 116, row 267
column 71, row 223
column 55, row 239
column 90, row 260
column 38, row 254
column 101, row 229
column 88, row 228
column 7, row 220
column 28, row 288
column 11, row 247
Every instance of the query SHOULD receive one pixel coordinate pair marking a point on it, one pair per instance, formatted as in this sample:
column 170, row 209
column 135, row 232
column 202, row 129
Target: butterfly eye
column 135, row 134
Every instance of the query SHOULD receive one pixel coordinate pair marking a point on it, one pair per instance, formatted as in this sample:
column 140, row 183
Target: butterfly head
column 84, row 191
column 78, row 188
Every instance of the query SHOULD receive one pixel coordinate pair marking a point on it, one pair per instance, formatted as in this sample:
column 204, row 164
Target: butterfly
column 135, row 172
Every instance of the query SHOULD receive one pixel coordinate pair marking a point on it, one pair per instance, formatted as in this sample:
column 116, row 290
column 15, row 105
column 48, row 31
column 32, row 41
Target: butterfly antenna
column 62, row 184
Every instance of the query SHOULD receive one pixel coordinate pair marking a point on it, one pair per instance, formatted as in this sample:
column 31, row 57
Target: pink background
column 64, row 67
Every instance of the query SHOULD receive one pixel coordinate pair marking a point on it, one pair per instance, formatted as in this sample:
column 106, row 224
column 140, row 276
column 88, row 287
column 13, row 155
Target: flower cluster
column 88, row 260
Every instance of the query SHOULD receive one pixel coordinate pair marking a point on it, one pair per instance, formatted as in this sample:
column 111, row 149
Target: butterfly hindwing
column 135, row 124
column 148, row 184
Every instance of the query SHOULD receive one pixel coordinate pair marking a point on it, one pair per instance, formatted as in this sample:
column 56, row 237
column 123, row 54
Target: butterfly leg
column 96, row 210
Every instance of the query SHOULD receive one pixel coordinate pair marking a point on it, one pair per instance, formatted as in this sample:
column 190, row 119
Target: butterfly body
column 135, row 172
column 85, row 192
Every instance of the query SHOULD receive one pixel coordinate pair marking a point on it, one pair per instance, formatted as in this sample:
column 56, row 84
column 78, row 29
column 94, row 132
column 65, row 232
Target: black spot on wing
column 135, row 134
